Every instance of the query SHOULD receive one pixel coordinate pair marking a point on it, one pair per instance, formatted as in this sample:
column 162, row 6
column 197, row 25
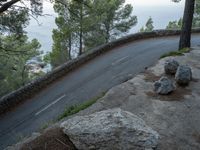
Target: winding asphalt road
column 93, row 78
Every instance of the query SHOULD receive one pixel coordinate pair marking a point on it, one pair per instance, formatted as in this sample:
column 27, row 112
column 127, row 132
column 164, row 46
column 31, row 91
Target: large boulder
column 164, row 86
column 183, row 75
column 171, row 66
column 112, row 129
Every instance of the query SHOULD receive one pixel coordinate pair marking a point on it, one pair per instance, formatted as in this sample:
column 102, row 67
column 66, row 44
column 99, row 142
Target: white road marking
column 120, row 60
column 54, row 102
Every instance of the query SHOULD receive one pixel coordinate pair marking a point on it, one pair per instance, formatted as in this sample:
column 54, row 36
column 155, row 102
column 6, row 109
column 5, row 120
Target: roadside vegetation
column 47, row 124
column 77, row 108
column 148, row 26
column 15, row 50
column 176, row 53
column 73, row 110
column 81, row 25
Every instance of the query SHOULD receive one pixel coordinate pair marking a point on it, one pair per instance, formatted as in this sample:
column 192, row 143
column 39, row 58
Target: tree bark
column 70, row 47
column 107, row 35
column 107, row 27
column 81, row 41
column 185, row 37
column 22, row 75
column 81, row 31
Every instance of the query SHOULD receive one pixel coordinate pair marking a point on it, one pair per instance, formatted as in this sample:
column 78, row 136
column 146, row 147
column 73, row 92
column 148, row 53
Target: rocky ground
column 174, row 117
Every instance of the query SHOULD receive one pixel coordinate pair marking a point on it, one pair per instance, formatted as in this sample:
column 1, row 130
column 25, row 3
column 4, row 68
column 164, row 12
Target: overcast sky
column 153, row 2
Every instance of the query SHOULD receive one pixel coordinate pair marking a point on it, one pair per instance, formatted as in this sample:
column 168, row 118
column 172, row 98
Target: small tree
column 13, row 57
column 15, row 50
column 148, row 27
column 111, row 19
column 175, row 24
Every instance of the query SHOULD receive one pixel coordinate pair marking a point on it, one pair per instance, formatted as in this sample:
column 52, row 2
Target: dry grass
column 177, row 95
column 52, row 139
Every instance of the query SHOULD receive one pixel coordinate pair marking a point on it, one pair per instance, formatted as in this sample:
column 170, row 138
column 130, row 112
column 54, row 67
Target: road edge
column 12, row 99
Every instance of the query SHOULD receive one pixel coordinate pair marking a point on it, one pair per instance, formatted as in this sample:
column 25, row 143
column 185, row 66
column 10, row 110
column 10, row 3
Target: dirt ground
column 53, row 139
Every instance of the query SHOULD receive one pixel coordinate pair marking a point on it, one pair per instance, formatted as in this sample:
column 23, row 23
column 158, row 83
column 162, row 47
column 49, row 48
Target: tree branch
column 7, row 5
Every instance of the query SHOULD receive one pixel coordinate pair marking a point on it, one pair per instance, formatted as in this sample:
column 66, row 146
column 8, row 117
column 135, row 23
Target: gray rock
column 164, row 86
column 112, row 129
column 171, row 66
column 183, row 75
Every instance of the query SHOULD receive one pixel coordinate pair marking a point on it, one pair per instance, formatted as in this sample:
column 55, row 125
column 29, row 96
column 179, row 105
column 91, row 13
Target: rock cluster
column 110, row 129
column 183, row 75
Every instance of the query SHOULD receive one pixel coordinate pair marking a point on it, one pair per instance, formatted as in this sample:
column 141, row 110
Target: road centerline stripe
column 52, row 103
column 120, row 60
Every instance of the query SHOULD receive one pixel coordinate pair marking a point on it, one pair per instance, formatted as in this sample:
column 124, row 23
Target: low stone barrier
column 12, row 99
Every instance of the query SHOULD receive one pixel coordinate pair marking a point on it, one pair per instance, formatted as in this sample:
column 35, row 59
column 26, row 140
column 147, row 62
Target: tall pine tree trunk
column 107, row 26
column 70, row 46
column 23, row 76
column 81, row 31
column 185, row 37
column 81, row 41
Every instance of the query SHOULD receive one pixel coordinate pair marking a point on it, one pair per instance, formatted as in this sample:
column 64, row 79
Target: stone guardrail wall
column 12, row 99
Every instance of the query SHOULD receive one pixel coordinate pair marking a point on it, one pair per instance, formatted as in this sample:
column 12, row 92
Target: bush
column 176, row 53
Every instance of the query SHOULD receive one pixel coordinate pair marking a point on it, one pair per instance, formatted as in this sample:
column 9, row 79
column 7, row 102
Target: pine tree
column 85, row 24
column 13, row 57
column 175, row 24
column 112, row 19
column 15, row 50
column 148, row 27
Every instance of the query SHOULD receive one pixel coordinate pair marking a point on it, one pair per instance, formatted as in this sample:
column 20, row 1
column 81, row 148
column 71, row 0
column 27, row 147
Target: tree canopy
column 15, row 50
column 87, row 24
column 149, row 26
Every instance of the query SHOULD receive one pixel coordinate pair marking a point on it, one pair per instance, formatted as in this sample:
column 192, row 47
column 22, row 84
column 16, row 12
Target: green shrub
column 175, row 53
column 76, row 108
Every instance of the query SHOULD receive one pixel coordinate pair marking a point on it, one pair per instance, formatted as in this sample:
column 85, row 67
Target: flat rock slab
column 175, row 117
column 112, row 129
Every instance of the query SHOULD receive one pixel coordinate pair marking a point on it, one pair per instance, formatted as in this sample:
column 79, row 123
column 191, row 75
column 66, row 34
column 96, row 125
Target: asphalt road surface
column 91, row 79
